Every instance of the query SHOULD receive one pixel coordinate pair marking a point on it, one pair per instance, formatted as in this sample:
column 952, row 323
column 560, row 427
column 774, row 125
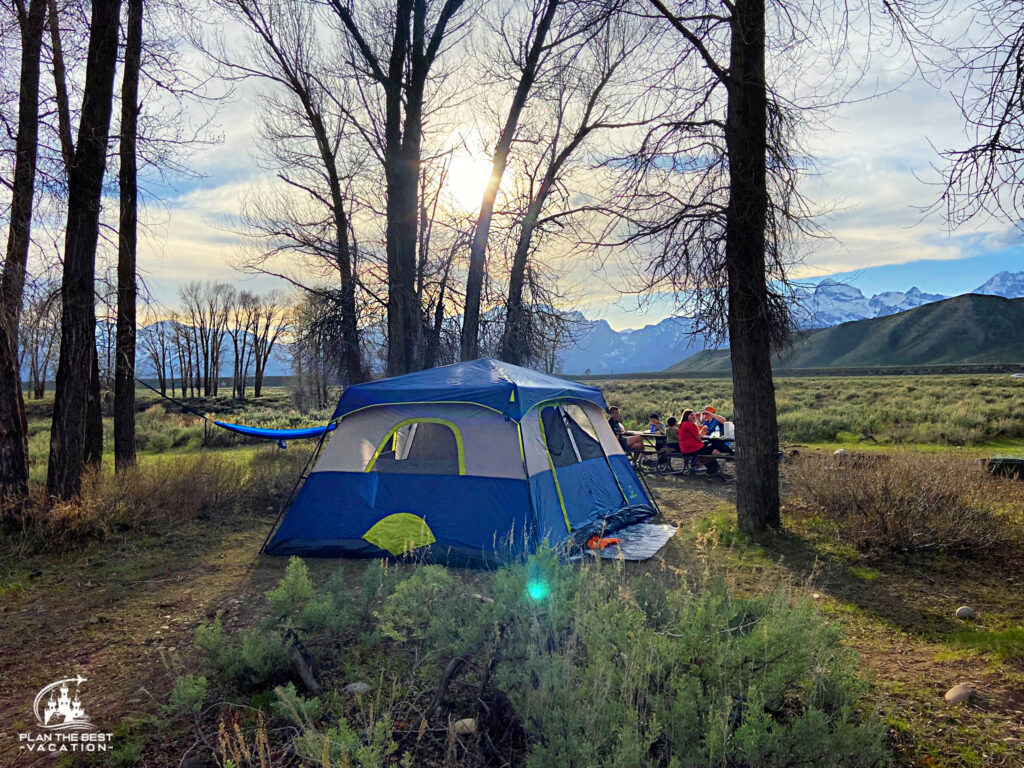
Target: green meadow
column 970, row 411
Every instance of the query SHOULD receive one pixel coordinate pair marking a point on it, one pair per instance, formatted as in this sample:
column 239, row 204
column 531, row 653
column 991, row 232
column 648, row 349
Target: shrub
column 691, row 680
column 257, row 659
column 431, row 607
column 187, row 695
column 596, row 667
column 340, row 745
column 293, row 591
column 204, row 484
column 260, row 658
column 160, row 442
column 343, row 745
column 908, row 501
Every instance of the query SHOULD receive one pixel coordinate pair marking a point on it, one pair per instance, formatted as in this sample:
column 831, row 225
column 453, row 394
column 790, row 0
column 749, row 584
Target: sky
column 875, row 174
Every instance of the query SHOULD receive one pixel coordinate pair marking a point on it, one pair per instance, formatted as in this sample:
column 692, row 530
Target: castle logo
column 62, row 711
column 62, row 724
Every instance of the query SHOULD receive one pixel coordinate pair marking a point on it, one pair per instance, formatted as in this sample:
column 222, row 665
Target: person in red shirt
column 691, row 444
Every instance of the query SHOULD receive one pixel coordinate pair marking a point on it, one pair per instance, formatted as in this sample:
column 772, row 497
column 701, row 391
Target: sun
column 466, row 181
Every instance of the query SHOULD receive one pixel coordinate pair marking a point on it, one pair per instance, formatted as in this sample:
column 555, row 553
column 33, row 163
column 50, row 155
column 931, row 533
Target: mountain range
column 598, row 348
column 968, row 329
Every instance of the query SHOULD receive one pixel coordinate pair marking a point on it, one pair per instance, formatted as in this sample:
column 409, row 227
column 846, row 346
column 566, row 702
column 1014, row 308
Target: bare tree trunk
column 401, row 213
column 78, row 321
column 124, row 358
column 412, row 54
column 434, row 339
column 13, row 426
column 757, row 471
column 60, row 85
column 94, row 415
column 514, row 342
column 478, row 250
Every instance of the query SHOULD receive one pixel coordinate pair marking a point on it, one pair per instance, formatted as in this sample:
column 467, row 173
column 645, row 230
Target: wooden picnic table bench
column 663, row 464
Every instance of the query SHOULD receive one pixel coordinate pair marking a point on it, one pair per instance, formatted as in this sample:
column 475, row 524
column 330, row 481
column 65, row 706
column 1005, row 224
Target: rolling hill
column 965, row 330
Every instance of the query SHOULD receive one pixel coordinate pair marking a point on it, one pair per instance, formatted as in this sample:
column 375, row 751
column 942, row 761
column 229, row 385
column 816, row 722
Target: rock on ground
column 959, row 693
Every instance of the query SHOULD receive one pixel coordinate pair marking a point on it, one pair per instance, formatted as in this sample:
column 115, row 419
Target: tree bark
column 351, row 354
column 94, row 414
column 514, row 343
column 13, row 426
column 60, row 87
column 78, row 321
column 478, row 249
column 409, row 63
column 757, row 471
column 124, row 358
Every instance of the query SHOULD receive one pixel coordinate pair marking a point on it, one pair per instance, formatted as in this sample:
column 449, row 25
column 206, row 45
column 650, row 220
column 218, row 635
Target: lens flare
column 537, row 590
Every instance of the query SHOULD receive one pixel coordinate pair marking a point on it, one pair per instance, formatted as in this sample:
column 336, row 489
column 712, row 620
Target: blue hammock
column 280, row 435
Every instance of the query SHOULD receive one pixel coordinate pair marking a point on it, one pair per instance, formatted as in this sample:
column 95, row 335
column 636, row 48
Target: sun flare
column 466, row 181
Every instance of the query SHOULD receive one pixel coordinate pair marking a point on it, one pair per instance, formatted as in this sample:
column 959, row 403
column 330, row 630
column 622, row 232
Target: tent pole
column 295, row 488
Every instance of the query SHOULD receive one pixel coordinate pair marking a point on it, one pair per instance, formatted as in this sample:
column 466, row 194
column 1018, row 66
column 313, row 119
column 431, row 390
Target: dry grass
column 910, row 502
column 164, row 491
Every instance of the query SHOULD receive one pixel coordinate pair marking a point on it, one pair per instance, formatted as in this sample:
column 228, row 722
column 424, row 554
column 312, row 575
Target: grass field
column 948, row 411
column 127, row 584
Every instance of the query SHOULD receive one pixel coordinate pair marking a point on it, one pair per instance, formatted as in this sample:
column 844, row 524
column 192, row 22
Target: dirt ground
column 123, row 616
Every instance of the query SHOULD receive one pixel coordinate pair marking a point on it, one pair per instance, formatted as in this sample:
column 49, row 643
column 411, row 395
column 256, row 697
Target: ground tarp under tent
column 477, row 461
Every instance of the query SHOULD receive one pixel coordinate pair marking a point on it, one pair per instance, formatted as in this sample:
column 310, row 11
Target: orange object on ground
column 596, row 542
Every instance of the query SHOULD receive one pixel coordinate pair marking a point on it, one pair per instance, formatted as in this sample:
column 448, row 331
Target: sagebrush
column 909, row 501
column 611, row 667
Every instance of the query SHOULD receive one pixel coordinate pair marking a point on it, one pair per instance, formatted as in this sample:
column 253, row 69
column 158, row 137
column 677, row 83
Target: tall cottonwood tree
column 241, row 329
column 39, row 331
column 124, row 361
column 78, row 363
column 398, row 61
column 13, row 427
column 270, row 320
column 303, row 125
column 155, row 338
column 585, row 97
column 721, row 233
column 535, row 42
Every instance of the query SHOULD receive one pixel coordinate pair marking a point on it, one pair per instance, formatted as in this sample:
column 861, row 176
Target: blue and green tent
column 477, row 461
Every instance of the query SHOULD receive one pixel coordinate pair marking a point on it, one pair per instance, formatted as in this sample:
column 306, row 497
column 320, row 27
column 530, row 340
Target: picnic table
column 652, row 448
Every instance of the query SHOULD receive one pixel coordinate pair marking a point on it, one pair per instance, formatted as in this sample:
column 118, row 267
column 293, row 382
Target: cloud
column 191, row 240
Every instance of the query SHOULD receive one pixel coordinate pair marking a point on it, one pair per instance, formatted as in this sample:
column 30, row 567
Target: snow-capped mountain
column 1009, row 285
column 832, row 303
column 891, row 302
column 598, row 348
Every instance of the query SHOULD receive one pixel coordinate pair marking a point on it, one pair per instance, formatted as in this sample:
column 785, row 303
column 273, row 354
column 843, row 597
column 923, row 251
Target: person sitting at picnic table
column 654, row 425
column 632, row 443
column 712, row 421
column 671, row 442
column 672, row 431
column 691, row 444
column 712, row 424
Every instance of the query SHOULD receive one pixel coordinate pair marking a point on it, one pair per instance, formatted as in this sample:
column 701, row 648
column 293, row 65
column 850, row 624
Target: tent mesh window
column 567, row 441
column 583, row 434
column 421, row 448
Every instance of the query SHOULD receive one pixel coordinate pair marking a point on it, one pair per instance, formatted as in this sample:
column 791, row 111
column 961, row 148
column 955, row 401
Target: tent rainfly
column 477, row 461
